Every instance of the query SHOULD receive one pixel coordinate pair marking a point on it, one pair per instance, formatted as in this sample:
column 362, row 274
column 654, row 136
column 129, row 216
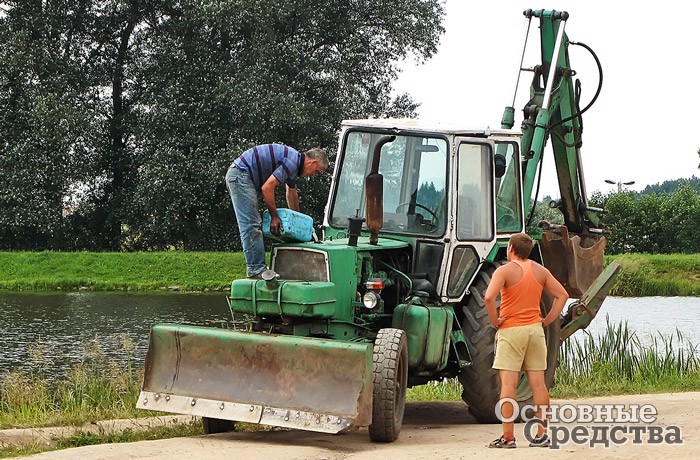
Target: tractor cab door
column 473, row 221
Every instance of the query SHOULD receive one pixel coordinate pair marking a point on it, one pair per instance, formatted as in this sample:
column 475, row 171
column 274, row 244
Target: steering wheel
column 431, row 225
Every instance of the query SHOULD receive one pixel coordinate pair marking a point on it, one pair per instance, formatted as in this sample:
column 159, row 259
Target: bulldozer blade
column 581, row 313
column 295, row 382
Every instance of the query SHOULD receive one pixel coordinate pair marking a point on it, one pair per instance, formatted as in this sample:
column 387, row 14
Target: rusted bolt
column 194, row 401
column 221, row 406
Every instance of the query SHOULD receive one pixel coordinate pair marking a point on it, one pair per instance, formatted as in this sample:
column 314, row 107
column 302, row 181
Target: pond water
column 55, row 331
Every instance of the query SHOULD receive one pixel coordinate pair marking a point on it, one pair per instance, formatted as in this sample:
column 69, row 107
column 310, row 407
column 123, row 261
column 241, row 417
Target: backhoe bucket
column 574, row 260
column 288, row 381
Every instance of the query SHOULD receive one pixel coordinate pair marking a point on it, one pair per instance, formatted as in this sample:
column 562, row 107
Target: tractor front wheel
column 390, row 378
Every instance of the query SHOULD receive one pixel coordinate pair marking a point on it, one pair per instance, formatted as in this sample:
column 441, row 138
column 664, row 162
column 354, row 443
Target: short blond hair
column 522, row 244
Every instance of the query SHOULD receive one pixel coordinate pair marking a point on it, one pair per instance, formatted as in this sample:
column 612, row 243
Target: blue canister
column 295, row 226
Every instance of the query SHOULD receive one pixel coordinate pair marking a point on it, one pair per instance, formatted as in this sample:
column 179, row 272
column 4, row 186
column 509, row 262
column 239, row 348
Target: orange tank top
column 520, row 303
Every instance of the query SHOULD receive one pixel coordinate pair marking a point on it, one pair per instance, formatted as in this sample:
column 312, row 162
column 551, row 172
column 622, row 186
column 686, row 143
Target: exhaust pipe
column 374, row 190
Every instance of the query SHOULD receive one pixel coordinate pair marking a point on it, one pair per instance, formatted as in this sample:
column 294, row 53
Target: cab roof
column 425, row 126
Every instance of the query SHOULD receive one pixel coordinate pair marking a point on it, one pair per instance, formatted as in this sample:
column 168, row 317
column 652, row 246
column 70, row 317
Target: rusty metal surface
column 375, row 205
column 575, row 260
column 283, row 372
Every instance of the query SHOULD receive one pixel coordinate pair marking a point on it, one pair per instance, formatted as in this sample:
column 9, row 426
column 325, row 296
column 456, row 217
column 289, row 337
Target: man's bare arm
column 268, row 193
column 498, row 280
column 555, row 289
column 292, row 198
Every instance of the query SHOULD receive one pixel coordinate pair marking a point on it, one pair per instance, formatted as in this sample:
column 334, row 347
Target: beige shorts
column 521, row 348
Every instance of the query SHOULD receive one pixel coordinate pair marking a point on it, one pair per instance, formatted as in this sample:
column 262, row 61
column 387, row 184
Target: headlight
column 370, row 300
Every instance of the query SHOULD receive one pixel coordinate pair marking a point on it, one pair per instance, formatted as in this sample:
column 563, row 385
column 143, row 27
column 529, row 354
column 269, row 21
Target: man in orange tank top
column 520, row 340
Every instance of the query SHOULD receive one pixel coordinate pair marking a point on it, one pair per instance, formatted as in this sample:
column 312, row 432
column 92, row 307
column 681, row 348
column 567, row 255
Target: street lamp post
column 619, row 184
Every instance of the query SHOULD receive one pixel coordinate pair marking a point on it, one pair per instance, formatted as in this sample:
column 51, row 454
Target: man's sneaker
column 540, row 441
column 503, row 443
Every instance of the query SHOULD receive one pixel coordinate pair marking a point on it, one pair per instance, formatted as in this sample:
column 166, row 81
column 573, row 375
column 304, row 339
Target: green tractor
column 417, row 220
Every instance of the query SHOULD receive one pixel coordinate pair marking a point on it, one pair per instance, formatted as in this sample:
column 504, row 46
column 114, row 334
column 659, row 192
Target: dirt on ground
column 443, row 430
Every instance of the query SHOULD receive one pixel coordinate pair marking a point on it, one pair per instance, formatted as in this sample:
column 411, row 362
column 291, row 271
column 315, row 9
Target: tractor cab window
column 474, row 192
column 414, row 169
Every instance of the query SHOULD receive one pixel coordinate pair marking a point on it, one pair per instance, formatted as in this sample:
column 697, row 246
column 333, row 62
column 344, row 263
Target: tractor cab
column 447, row 191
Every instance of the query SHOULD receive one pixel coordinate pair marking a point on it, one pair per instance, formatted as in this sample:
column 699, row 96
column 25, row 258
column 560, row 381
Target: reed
column 615, row 361
column 94, row 389
column 618, row 360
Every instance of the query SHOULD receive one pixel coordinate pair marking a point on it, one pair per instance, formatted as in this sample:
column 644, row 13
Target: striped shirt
column 263, row 161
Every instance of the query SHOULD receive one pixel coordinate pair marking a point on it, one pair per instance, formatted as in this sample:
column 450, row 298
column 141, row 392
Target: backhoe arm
column 552, row 114
column 572, row 252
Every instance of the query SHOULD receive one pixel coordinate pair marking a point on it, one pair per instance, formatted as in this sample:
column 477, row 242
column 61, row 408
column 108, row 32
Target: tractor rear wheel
column 217, row 425
column 390, row 378
column 480, row 382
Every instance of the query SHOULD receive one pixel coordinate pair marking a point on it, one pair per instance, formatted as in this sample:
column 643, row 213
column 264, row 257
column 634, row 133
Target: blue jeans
column 244, row 196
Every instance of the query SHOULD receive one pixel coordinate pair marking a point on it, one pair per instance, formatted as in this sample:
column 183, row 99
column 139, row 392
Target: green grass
column 82, row 438
column 139, row 271
column 641, row 275
column 447, row 390
column 657, row 275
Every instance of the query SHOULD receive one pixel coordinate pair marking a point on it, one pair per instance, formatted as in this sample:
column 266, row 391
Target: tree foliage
column 652, row 222
column 661, row 219
column 655, row 222
column 120, row 117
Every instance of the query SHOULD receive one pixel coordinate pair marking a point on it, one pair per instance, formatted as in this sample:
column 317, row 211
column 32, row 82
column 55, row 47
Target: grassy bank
column 138, row 271
column 657, row 275
column 642, row 274
column 83, row 438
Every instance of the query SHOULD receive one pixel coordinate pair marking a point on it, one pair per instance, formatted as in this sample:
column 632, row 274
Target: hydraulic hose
column 578, row 89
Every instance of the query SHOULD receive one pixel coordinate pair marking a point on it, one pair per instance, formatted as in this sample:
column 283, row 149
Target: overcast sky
column 645, row 125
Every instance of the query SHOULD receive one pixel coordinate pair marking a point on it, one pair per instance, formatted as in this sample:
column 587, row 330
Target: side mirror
column 499, row 163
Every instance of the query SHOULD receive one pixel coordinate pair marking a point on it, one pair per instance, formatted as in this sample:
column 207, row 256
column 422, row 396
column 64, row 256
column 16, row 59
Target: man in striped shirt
column 263, row 168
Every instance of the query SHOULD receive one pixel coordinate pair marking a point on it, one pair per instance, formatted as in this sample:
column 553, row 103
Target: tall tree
column 120, row 117
column 45, row 117
column 225, row 75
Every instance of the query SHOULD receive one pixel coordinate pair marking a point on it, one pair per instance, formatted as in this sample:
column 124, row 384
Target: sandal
column 503, row 443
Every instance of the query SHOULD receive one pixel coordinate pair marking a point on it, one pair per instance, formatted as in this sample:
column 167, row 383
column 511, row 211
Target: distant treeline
column 119, row 119
column 661, row 219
